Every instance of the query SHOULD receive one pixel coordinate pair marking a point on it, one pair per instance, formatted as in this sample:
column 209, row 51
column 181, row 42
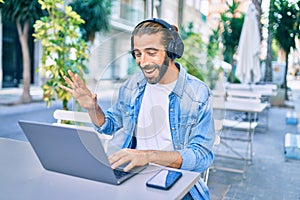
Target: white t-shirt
column 153, row 129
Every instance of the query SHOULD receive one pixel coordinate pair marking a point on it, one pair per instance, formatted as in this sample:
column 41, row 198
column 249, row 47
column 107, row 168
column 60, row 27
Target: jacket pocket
column 185, row 125
column 127, row 113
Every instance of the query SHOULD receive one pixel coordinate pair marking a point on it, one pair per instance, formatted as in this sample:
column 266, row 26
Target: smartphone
column 164, row 179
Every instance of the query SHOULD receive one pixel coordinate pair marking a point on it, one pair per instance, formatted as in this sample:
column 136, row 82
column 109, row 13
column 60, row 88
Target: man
column 163, row 115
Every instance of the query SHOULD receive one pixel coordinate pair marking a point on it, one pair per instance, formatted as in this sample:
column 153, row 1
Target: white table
column 241, row 106
column 23, row 177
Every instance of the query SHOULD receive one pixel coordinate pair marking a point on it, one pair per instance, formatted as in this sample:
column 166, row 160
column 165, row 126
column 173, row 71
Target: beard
column 162, row 69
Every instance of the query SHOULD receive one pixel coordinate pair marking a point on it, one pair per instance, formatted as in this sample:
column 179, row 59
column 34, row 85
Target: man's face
column 151, row 56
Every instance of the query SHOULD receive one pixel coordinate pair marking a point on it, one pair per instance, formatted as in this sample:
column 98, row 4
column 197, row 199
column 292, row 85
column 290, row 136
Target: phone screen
column 164, row 179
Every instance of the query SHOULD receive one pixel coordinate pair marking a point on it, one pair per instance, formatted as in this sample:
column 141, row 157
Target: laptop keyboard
column 120, row 173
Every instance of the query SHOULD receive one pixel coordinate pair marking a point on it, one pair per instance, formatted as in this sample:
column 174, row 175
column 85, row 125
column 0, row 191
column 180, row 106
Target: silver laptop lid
column 70, row 151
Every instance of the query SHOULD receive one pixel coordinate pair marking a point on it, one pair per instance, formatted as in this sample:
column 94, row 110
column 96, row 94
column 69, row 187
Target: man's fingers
column 66, row 89
column 122, row 157
column 79, row 81
column 69, row 82
column 120, row 162
column 129, row 167
column 71, row 74
column 113, row 158
column 74, row 78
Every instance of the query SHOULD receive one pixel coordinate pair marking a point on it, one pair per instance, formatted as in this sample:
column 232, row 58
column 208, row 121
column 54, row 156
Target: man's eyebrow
column 151, row 49
column 147, row 49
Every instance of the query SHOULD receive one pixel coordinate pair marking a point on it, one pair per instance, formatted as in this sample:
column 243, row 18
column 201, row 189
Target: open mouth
column 149, row 71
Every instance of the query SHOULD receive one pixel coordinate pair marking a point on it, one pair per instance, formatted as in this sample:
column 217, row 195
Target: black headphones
column 174, row 48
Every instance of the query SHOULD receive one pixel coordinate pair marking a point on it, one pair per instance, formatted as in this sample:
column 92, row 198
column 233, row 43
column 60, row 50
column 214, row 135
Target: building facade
column 110, row 56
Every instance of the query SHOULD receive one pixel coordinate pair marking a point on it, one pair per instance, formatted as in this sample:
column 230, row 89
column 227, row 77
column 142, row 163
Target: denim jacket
column 190, row 116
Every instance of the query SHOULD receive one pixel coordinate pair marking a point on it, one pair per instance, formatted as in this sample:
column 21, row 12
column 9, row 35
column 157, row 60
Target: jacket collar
column 179, row 87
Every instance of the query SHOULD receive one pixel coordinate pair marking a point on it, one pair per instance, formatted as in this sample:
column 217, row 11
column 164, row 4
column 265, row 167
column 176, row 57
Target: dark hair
column 170, row 37
column 153, row 28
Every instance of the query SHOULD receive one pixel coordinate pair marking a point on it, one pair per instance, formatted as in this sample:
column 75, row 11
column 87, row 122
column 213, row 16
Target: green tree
column 23, row 13
column 63, row 48
column 96, row 15
column 286, row 29
column 213, row 48
column 193, row 48
column 231, row 23
column 298, row 19
column 198, row 57
column 268, row 70
column 257, row 4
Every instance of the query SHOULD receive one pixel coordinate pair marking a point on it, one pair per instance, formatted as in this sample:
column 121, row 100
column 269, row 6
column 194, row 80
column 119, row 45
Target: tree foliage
column 285, row 24
column 95, row 13
column 231, row 23
column 213, row 47
column 193, row 47
column 63, row 48
column 286, row 28
column 23, row 13
column 269, row 58
column 198, row 57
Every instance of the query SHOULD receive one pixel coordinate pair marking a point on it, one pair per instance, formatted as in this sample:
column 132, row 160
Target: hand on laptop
column 134, row 157
column 137, row 158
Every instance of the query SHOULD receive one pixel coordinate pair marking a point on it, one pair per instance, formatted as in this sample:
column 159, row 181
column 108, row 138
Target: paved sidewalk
column 270, row 177
column 9, row 97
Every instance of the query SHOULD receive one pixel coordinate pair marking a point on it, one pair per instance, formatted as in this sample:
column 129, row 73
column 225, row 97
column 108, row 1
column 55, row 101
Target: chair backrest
column 82, row 121
column 218, row 129
column 243, row 96
column 61, row 115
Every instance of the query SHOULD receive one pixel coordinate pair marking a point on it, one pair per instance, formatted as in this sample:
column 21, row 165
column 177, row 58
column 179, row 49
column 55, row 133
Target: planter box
column 292, row 146
column 291, row 118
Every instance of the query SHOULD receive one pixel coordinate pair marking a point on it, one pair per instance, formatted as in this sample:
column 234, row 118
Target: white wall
column 109, row 55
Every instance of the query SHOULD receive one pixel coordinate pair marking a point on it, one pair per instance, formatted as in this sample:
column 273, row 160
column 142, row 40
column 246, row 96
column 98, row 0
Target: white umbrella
column 248, row 65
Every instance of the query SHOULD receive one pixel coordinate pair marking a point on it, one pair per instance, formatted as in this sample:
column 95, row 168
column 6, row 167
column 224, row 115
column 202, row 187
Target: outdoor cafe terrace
column 259, row 170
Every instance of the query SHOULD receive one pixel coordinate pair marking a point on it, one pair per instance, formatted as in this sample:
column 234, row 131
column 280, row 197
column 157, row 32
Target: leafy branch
column 63, row 48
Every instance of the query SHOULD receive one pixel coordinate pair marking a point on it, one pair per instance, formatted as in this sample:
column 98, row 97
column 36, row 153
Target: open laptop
column 73, row 151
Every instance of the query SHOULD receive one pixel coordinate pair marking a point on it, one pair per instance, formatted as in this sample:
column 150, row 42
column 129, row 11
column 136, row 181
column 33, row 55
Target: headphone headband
column 158, row 21
column 174, row 48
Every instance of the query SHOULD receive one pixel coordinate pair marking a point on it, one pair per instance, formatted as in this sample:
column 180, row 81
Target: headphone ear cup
column 179, row 47
column 171, row 50
column 131, row 43
column 175, row 47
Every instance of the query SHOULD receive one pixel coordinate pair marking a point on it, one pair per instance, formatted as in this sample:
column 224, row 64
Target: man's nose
column 143, row 60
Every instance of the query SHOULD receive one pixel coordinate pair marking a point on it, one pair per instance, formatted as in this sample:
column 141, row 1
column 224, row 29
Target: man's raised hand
column 80, row 92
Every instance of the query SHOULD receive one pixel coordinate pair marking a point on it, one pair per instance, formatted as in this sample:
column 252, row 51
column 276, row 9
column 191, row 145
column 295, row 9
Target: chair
column 218, row 128
column 81, row 121
column 238, row 129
